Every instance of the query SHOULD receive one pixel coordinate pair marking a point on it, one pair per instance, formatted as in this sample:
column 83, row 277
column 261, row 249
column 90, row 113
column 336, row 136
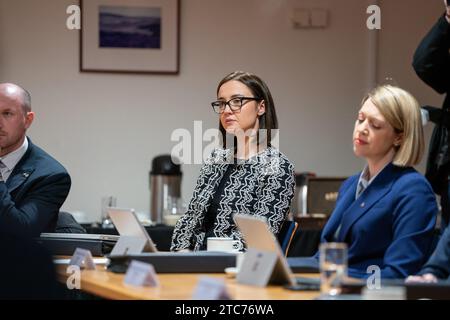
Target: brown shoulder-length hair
column 259, row 89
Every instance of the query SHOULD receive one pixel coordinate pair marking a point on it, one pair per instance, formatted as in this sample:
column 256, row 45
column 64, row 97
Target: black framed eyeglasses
column 235, row 104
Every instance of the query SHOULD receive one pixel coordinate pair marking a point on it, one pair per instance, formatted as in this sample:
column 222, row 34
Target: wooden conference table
column 304, row 244
column 174, row 286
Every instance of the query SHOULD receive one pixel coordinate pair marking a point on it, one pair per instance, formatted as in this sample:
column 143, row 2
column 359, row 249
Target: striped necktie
column 3, row 169
column 360, row 189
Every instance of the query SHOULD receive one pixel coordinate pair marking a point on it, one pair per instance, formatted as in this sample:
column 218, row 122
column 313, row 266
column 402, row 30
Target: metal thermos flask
column 165, row 182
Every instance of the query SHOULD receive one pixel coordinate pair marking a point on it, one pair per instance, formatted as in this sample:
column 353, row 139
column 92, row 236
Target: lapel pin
column 26, row 174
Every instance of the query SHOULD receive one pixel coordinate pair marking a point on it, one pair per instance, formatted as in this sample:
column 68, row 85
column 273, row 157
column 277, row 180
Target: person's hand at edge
column 425, row 278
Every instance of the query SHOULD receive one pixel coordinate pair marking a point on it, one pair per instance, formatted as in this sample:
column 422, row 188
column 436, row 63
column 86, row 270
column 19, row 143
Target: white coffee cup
column 221, row 244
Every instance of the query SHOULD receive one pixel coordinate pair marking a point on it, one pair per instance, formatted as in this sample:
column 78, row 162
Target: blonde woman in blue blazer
column 387, row 213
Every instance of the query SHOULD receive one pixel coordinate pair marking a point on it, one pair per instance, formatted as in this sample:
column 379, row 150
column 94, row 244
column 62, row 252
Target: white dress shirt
column 9, row 161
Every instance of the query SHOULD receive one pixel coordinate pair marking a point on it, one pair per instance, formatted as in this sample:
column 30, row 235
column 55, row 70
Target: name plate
column 83, row 259
column 141, row 274
column 211, row 289
column 257, row 268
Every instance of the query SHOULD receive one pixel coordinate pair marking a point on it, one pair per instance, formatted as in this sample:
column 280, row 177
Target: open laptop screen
column 258, row 237
column 127, row 224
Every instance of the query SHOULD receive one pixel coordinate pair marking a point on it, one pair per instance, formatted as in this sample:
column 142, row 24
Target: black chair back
column 66, row 223
column 286, row 235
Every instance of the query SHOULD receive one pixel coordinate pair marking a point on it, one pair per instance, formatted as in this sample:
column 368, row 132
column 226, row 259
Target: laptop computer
column 65, row 243
column 129, row 227
column 177, row 262
column 81, row 236
column 133, row 236
column 258, row 237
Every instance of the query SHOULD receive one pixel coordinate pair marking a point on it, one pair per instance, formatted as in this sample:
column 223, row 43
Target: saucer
column 231, row 271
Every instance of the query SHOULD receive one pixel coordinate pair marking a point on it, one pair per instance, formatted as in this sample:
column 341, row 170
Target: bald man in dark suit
column 33, row 185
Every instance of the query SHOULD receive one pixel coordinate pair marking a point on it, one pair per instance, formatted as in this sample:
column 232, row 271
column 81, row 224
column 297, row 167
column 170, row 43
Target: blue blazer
column 390, row 225
column 33, row 194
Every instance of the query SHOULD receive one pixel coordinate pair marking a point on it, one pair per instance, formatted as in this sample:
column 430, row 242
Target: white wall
column 106, row 128
column 404, row 24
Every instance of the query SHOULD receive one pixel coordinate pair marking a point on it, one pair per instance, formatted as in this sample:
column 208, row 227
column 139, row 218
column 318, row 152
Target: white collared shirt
column 11, row 159
column 363, row 183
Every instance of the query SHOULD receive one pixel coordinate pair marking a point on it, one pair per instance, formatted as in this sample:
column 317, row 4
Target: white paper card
column 97, row 261
column 83, row 259
column 211, row 289
column 141, row 274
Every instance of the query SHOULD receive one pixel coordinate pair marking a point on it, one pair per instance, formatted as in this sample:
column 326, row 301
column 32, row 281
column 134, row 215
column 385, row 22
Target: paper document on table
column 67, row 261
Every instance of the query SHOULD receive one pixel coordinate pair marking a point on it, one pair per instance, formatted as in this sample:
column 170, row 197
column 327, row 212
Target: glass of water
column 107, row 201
column 174, row 210
column 333, row 267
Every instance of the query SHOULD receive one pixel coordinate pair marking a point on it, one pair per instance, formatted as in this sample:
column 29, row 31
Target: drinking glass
column 333, row 267
column 174, row 210
column 107, row 201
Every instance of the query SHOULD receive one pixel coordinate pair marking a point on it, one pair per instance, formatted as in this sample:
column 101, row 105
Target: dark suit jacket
column 33, row 194
column 439, row 263
column 432, row 65
column 431, row 59
column 390, row 225
column 27, row 270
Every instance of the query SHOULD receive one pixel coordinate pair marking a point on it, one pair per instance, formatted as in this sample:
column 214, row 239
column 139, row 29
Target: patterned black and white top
column 262, row 186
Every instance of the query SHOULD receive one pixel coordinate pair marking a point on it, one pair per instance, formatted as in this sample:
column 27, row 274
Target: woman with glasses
column 247, row 175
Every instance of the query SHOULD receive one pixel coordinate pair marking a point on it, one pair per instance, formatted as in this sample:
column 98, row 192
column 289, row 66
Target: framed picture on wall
column 130, row 36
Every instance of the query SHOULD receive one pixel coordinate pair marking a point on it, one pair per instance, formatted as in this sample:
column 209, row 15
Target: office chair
column 66, row 223
column 321, row 194
column 286, row 235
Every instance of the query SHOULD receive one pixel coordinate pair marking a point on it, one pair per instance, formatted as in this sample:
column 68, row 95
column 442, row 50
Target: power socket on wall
column 302, row 18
